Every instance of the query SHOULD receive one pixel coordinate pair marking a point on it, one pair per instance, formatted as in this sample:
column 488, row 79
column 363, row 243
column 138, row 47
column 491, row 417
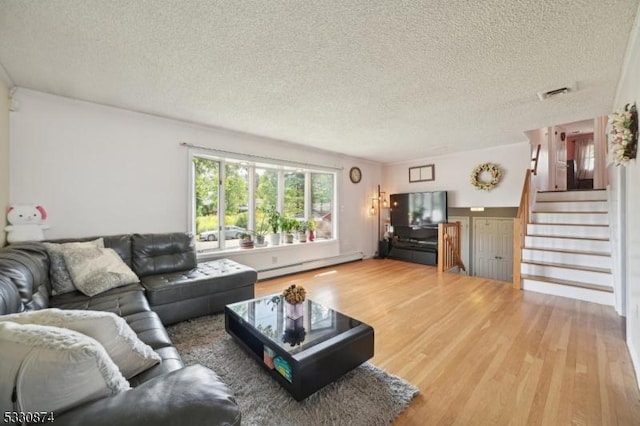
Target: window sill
column 204, row 255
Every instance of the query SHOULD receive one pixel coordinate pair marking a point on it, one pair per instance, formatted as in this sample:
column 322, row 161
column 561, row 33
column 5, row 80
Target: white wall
column 629, row 92
column 452, row 174
column 100, row 170
column 4, row 158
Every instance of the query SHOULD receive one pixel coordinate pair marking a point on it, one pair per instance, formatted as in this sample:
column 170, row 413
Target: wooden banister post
column 441, row 248
column 520, row 230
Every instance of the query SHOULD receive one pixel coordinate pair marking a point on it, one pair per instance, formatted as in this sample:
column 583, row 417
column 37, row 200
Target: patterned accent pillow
column 61, row 282
column 96, row 270
column 131, row 355
column 53, row 369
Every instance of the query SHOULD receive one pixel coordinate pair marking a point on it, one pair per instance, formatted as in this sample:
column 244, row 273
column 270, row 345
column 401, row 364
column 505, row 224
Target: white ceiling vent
column 555, row 92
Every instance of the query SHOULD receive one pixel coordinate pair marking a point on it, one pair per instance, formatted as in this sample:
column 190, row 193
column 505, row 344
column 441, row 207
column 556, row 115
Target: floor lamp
column 382, row 197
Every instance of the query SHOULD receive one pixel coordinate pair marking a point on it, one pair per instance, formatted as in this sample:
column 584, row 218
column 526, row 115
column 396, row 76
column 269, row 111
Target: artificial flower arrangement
column 495, row 172
column 623, row 136
column 294, row 294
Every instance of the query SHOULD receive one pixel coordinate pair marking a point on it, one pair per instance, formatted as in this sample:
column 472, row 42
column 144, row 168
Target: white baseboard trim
column 308, row 265
column 633, row 353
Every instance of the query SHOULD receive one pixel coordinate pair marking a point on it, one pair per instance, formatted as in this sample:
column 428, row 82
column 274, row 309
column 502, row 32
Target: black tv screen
column 419, row 209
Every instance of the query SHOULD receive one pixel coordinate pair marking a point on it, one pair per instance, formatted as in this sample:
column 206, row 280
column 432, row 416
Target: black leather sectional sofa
column 177, row 288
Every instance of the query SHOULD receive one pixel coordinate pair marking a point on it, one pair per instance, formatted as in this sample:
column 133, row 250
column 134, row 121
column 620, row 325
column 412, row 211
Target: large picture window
column 231, row 198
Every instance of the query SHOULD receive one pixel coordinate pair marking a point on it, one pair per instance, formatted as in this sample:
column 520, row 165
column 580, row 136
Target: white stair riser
column 571, row 218
column 568, row 231
column 586, row 277
column 585, row 294
column 567, row 244
column 591, row 260
column 572, row 206
column 571, row 196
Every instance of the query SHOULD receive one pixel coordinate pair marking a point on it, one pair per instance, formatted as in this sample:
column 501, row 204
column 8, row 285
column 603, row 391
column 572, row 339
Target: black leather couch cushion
column 163, row 253
column 10, row 302
column 171, row 361
column 200, row 291
column 149, row 329
column 189, row 396
column 211, row 277
column 125, row 300
column 25, row 266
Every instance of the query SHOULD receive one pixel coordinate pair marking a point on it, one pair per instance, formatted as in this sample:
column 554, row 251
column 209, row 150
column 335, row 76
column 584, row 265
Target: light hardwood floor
column 480, row 351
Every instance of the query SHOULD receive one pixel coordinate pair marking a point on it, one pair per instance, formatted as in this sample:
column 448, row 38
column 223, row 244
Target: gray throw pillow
column 96, row 270
column 61, row 282
column 53, row 369
column 127, row 351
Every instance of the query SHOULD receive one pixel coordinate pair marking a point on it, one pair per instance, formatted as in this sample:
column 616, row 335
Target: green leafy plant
column 274, row 218
column 287, row 224
column 311, row 223
column 246, row 240
column 263, row 228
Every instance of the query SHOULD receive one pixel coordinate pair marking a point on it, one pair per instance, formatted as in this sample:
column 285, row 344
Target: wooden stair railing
column 520, row 229
column 449, row 247
column 534, row 169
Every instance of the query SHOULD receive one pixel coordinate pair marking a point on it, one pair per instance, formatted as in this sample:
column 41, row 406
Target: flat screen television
column 418, row 209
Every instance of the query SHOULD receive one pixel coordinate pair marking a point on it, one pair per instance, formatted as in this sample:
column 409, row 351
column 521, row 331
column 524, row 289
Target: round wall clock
column 355, row 174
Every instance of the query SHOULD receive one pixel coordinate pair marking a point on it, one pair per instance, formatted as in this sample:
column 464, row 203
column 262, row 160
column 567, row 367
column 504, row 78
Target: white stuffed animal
column 25, row 223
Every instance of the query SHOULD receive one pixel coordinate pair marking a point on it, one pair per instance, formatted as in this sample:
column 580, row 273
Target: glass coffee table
column 302, row 354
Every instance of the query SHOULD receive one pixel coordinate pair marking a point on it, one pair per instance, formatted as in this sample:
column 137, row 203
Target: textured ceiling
column 383, row 80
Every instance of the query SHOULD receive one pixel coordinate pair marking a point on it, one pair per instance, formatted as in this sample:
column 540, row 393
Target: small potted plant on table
column 294, row 296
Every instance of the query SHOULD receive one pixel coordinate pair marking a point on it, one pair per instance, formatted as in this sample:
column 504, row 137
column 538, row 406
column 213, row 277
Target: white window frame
column 252, row 163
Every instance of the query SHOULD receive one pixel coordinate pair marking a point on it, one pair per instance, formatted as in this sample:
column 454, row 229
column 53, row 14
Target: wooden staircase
column 566, row 250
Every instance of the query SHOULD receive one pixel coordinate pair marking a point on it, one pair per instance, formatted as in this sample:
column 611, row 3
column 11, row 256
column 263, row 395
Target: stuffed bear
column 25, row 223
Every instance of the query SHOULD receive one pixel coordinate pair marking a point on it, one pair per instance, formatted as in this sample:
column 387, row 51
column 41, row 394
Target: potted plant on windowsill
column 287, row 225
column 311, row 224
column 302, row 231
column 246, row 240
column 274, row 219
column 261, row 231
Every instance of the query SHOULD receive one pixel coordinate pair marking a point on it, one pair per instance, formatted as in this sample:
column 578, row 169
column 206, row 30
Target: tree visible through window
column 294, row 195
column 236, row 192
column 206, row 188
column 322, row 199
column 266, row 196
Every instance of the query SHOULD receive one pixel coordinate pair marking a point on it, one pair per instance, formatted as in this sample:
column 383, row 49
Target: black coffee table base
column 312, row 368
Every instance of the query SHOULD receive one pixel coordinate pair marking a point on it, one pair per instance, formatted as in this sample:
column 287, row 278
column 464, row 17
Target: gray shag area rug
column 365, row 396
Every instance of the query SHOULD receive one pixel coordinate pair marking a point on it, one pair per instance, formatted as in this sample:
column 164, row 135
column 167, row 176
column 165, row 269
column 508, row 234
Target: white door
column 493, row 248
column 464, row 239
column 560, row 148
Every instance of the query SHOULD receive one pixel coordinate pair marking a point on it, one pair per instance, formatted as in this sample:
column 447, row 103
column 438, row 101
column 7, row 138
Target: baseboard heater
column 308, row 265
